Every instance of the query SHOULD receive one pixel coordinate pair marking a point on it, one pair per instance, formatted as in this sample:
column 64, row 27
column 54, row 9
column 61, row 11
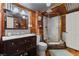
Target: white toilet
column 41, row 47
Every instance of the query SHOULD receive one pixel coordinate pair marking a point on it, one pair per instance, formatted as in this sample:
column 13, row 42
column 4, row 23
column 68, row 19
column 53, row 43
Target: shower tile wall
column 54, row 29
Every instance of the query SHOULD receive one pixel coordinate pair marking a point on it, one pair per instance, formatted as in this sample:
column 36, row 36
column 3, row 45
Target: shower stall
column 52, row 30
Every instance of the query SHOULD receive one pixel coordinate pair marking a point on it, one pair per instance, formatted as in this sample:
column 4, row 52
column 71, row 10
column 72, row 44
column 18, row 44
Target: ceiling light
column 48, row 4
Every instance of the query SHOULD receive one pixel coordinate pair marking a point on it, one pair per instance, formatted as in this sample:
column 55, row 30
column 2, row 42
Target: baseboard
column 73, row 51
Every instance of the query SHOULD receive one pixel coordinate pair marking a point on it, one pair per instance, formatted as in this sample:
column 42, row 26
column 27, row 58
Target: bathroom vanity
column 19, row 45
column 14, row 26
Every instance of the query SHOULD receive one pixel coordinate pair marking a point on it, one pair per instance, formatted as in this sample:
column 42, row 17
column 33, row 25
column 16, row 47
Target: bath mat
column 60, row 52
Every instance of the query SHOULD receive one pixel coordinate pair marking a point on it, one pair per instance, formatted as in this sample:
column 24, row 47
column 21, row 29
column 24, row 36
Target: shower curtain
column 52, row 28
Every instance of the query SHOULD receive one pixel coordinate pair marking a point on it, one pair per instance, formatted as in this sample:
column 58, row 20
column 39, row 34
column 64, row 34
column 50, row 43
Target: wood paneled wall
column 37, row 25
column 1, row 20
column 33, row 22
column 63, row 23
column 40, row 24
column 1, row 25
column 59, row 10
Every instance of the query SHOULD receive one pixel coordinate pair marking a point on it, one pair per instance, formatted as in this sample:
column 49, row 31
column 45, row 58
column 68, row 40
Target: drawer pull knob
column 17, row 50
column 12, row 43
column 25, row 40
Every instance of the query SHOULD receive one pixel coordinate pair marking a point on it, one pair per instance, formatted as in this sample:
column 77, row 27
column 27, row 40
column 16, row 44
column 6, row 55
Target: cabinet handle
column 31, row 45
column 25, row 40
column 17, row 50
column 12, row 43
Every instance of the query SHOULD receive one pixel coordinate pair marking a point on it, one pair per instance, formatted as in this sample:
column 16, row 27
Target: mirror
column 16, row 18
column 16, row 21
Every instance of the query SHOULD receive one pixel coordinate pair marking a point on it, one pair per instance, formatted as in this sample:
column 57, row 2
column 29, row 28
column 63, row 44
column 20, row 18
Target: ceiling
column 43, row 8
column 72, row 6
column 36, row 6
column 63, row 9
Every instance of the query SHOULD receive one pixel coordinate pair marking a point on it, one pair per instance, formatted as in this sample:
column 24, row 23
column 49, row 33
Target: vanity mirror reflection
column 16, row 17
column 12, row 22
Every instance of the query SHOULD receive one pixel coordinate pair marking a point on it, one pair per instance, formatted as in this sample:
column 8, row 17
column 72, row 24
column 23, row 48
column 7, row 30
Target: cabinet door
column 14, row 47
column 32, row 46
column 9, row 47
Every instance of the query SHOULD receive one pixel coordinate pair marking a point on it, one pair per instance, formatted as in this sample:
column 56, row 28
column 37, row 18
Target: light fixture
column 48, row 4
column 39, row 18
column 23, row 17
column 23, row 12
column 15, row 10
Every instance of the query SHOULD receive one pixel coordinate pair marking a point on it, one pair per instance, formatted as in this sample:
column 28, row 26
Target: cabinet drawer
column 14, row 50
column 19, row 46
column 13, row 47
column 9, row 44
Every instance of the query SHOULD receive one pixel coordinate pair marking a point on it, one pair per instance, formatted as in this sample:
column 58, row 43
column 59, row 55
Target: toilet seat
column 41, row 47
column 42, row 44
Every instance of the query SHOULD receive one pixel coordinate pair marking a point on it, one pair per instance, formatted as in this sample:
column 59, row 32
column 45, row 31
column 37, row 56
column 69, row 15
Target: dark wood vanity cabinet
column 20, row 46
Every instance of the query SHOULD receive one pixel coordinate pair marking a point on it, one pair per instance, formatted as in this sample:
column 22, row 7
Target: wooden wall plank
column 1, row 25
column 63, row 23
column 1, row 20
column 33, row 22
column 59, row 10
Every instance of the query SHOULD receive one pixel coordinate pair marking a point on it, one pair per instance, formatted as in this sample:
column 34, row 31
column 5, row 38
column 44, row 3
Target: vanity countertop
column 16, row 36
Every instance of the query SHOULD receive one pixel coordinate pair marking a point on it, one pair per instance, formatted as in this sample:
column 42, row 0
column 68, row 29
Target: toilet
column 41, row 47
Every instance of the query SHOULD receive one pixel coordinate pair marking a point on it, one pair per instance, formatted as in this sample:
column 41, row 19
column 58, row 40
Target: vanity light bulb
column 29, row 25
column 23, row 17
column 23, row 12
column 39, row 18
column 16, row 10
